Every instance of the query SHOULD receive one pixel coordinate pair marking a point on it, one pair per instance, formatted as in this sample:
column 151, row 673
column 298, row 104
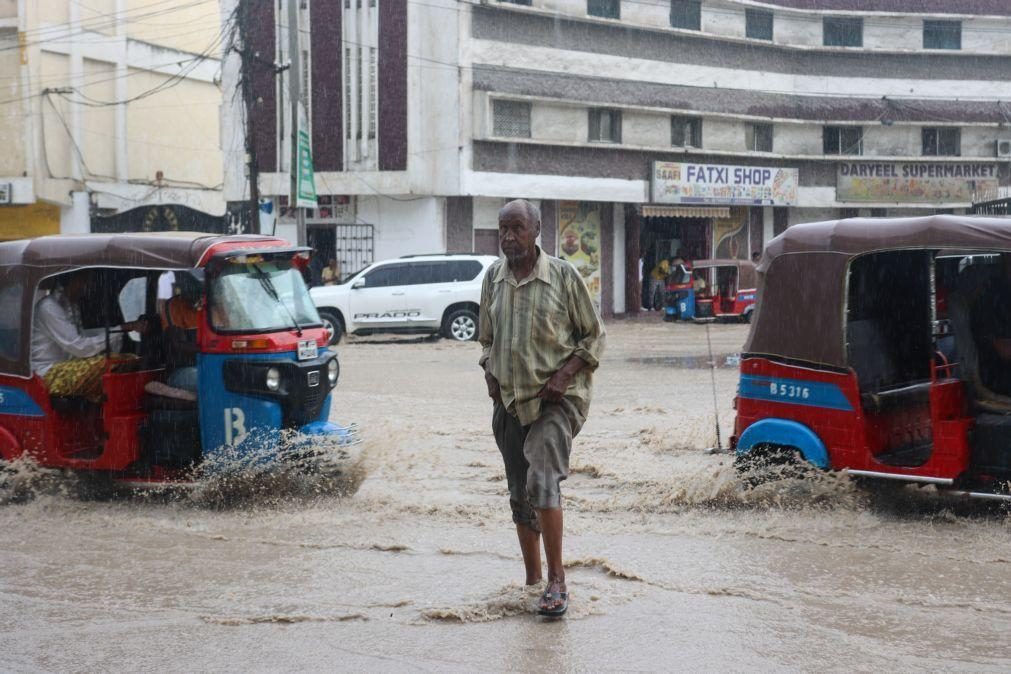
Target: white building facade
column 640, row 127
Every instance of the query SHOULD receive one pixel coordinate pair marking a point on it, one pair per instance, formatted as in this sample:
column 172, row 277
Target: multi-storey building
column 639, row 126
column 108, row 105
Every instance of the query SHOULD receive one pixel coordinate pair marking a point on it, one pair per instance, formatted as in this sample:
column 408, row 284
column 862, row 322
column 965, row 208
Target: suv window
column 423, row 273
column 386, row 276
column 459, row 270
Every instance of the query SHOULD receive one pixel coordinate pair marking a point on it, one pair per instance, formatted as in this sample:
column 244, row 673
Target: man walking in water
column 542, row 338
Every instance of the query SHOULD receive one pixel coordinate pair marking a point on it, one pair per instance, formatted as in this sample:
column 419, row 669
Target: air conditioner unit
column 1004, row 147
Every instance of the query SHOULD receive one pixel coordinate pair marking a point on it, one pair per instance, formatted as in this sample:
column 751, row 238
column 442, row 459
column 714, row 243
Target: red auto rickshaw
column 264, row 374
column 866, row 353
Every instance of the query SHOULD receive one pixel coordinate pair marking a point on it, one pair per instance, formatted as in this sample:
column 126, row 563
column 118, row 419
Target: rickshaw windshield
column 253, row 294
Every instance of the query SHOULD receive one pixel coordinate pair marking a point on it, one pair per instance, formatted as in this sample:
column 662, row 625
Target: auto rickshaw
column 866, row 353
column 713, row 290
column 263, row 373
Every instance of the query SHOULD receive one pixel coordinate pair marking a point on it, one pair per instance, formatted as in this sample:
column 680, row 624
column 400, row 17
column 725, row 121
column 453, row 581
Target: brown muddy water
column 672, row 566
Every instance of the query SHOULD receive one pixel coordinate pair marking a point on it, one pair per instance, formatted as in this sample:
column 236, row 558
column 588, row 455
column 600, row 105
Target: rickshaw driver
column 991, row 326
column 57, row 335
column 179, row 318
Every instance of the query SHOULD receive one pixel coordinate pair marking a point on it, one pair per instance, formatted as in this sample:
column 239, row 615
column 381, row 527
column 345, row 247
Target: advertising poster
column 914, row 182
column 579, row 241
column 686, row 183
column 730, row 236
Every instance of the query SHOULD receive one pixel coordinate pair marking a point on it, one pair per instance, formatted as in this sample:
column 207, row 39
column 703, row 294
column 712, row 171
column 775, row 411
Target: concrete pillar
column 618, row 266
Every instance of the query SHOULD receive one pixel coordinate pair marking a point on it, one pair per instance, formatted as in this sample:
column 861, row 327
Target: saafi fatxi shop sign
column 920, row 182
column 689, row 183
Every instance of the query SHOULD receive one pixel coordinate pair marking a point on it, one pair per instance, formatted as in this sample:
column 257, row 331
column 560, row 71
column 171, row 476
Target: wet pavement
column 672, row 564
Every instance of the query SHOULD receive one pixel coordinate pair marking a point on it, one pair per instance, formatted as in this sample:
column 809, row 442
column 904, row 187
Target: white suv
column 412, row 294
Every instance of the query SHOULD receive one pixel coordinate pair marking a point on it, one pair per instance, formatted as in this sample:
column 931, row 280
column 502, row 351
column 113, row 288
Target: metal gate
column 354, row 247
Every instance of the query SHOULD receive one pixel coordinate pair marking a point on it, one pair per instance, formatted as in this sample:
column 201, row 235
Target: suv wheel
column 461, row 325
column 332, row 324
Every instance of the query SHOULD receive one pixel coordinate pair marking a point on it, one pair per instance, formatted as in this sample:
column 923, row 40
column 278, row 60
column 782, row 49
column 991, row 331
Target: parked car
column 409, row 295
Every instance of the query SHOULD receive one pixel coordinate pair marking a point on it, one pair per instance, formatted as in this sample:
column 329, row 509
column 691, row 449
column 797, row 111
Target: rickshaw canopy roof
column 745, row 269
column 163, row 250
column 800, row 313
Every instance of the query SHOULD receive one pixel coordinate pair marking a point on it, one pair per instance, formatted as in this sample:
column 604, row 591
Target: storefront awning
column 685, row 212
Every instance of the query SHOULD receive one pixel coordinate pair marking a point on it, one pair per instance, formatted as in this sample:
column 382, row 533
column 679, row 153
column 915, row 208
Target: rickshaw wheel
column 771, row 463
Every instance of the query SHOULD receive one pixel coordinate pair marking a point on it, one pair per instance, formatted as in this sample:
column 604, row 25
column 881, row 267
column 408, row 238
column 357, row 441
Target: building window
column 605, row 126
column 686, row 14
column 942, row 34
column 759, row 137
column 609, row 9
column 517, row 2
column 686, row 131
column 941, row 141
column 511, row 119
column 843, row 139
column 879, row 212
column 838, row 31
column 758, row 24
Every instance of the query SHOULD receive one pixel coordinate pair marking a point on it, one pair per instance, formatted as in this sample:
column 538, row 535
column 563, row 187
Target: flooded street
column 671, row 564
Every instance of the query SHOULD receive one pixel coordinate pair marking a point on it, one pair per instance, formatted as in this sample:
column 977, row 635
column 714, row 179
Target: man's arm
column 62, row 330
column 486, row 338
column 589, row 331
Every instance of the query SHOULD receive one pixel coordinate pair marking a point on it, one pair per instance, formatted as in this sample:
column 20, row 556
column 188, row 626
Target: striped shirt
column 530, row 328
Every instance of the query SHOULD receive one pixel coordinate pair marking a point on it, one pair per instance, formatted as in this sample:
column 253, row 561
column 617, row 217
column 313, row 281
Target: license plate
column 307, row 349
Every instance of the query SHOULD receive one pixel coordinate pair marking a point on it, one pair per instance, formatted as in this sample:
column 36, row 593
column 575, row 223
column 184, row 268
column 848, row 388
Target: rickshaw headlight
column 331, row 371
column 273, row 379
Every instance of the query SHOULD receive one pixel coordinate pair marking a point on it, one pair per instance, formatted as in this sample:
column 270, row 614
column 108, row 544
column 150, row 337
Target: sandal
column 553, row 596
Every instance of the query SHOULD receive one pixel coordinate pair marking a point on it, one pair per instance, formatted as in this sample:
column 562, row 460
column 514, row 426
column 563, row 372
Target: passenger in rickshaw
column 991, row 326
column 68, row 359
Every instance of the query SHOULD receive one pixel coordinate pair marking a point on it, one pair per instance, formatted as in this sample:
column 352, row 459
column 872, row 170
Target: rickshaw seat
column 980, row 397
column 911, row 395
column 870, row 355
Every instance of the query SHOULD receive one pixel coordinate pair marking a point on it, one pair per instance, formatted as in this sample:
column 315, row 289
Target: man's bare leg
column 530, row 546
column 551, row 528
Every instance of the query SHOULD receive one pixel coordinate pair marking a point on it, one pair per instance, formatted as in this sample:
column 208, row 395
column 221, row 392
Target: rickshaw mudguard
column 786, row 433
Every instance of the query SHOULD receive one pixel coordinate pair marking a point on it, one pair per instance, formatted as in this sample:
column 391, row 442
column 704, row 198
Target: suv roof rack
column 405, row 257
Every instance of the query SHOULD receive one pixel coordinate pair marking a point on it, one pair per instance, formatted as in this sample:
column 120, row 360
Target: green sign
column 305, row 186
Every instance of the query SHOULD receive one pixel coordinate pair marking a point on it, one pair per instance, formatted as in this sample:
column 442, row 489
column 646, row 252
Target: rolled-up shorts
column 536, row 457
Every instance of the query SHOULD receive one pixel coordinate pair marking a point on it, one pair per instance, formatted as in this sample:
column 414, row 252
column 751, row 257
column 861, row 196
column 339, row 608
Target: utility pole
column 249, row 104
column 295, row 94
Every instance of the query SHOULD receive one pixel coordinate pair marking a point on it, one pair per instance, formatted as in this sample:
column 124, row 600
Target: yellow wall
column 175, row 131
column 12, row 115
column 51, row 11
column 22, row 222
column 98, row 124
column 186, row 28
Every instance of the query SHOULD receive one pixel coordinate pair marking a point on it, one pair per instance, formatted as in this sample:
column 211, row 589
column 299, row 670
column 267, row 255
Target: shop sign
column 689, row 183
column 579, row 241
column 920, row 182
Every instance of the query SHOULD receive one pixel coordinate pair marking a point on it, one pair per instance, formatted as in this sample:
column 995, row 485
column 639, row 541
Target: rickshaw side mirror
column 359, row 283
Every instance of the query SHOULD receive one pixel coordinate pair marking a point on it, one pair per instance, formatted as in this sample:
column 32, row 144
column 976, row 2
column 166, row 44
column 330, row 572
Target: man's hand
column 494, row 392
column 140, row 326
column 556, row 387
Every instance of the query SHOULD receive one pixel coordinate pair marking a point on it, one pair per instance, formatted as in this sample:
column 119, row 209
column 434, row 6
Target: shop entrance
column 662, row 238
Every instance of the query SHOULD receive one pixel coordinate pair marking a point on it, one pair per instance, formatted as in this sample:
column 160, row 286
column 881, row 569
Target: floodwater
column 671, row 564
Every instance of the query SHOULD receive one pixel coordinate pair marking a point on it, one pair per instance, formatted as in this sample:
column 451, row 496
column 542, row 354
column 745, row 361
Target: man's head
column 75, row 285
column 519, row 225
column 191, row 286
column 332, row 263
column 756, row 256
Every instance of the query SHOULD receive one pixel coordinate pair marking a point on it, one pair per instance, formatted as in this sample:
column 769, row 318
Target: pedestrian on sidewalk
column 542, row 338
